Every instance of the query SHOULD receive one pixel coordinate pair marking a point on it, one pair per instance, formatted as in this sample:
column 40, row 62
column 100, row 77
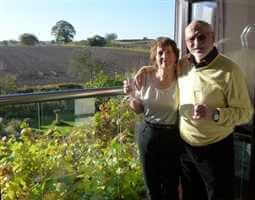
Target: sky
column 129, row 19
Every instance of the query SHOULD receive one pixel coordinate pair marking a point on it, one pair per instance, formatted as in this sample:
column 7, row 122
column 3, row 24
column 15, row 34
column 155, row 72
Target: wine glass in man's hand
column 197, row 104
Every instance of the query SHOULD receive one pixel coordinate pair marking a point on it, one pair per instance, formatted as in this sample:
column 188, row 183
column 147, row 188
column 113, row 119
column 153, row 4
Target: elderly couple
column 190, row 107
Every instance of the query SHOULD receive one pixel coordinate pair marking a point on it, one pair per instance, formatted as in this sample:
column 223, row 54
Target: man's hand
column 141, row 74
column 202, row 111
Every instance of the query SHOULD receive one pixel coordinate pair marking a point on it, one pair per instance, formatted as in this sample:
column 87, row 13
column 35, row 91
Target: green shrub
column 103, row 80
column 28, row 39
column 97, row 40
column 97, row 161
column 83, row 65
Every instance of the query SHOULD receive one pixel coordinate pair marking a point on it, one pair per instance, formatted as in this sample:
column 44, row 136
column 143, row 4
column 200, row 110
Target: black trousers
column 160, row 156
column 208, row 171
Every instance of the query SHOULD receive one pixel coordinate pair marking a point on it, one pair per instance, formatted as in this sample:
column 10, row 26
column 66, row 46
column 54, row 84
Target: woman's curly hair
column 162, row 42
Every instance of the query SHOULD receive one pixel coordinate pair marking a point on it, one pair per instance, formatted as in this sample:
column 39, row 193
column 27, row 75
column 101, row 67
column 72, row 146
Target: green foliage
column 8, row 84
column 21, row 111
column 48, row 88
column 60, row 123
column 69, row 86
column 102, row 80
column 97, row 40
column 133, row 45
column 111, row 36
column 13, row 42
column 84, row 66
column 13, row 127
column 63, row 31
column 91, row 162
column 81, row 43
column 5, row 42
column 28, row 39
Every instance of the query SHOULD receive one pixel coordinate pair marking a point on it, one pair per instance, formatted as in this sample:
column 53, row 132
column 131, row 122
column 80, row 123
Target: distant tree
column 43, row 43
column 5, row 43
column 63, row 31
column 13, row 42
column 111, row 36
column 28, row 39
column 84, row 66
column 97, row 40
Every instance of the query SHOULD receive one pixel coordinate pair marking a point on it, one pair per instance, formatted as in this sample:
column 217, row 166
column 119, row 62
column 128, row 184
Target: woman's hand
column 135, row 104
column 141, row 74
column 129, row 87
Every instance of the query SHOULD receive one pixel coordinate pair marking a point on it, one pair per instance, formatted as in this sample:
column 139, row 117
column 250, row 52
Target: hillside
column 45, row 65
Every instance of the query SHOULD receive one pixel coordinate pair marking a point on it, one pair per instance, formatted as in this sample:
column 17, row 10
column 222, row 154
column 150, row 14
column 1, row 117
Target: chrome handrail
column 38, row 97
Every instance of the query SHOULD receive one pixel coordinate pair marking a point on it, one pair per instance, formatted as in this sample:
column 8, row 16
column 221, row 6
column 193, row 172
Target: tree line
column 64, row 33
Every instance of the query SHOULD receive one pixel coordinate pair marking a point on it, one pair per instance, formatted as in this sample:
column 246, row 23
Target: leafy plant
column 8, row 84
column 96, row 161
column 102, row 80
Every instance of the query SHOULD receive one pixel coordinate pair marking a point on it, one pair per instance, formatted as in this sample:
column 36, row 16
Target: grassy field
column 47, row 65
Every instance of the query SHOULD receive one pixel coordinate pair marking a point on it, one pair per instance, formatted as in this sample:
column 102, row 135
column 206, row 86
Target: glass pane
column 56, row 112
column 41, row 115
column 204, row 11
column 20, row 112
column 242, row 167
column 84, row 109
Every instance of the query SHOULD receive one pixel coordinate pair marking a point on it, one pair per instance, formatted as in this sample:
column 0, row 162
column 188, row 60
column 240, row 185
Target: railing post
column 38, row 115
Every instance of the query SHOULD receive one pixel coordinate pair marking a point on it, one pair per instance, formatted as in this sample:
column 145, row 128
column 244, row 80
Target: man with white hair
column 213, row 99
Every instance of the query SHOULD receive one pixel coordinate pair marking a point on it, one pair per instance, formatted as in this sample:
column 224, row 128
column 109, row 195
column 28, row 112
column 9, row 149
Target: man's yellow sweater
column 220, row 84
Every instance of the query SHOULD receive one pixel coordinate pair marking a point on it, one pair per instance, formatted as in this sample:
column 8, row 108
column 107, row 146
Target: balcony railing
column 41, row 98
column 58, row 95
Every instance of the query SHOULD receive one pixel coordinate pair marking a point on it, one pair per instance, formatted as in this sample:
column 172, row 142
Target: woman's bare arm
column 141, row 74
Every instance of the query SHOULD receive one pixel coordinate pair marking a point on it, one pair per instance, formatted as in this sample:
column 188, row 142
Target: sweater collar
column 206, row 60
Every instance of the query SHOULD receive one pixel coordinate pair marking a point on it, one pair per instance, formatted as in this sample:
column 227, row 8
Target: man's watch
column 216, row 115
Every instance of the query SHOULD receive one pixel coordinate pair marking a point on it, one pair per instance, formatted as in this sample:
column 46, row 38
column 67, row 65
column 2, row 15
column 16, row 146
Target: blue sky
column 129, row 19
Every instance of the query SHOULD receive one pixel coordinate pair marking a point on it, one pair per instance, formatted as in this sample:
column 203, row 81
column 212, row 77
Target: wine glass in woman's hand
column 128, row 86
